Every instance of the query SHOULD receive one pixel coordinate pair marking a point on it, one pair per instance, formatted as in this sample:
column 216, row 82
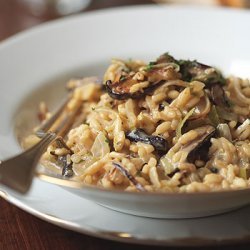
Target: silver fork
column 17, row 172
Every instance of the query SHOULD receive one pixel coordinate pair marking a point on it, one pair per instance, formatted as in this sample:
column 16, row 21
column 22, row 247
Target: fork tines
column 61, row 121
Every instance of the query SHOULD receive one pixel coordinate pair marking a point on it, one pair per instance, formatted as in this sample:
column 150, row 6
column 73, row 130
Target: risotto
column 167, row 126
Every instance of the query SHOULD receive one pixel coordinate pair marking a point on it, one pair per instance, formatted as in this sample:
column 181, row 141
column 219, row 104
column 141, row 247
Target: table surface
column 18, row 229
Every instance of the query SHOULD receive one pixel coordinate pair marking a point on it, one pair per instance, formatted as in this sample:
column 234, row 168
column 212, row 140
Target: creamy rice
column 166, row 126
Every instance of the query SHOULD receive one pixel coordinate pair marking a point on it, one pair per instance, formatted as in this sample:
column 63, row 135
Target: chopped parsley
column 122, row 78
column 150, row 66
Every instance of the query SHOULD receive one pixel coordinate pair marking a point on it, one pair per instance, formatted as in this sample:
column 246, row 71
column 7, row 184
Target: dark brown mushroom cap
column 166, row 58
column 130, row 177
column 139, row 135
column 198, row 148
column 193, row 70
column 67, row 168
column 156, row 76
column 218, row 96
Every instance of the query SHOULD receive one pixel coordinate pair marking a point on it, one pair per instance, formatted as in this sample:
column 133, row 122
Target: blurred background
column 17, row 15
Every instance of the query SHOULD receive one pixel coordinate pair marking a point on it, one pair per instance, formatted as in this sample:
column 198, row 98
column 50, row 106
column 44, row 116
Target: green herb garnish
column 150, row 66
column 213, row 116
column 182, row 123
column 122, row 78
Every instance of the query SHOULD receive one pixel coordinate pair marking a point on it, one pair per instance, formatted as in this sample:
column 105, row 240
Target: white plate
column 51, row 203
column 83, row 45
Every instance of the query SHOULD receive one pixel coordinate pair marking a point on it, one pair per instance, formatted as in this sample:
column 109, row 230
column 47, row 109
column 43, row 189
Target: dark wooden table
column 18, row 229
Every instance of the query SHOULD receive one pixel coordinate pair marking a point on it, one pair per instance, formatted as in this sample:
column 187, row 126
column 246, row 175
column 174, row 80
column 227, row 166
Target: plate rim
column 122, row 237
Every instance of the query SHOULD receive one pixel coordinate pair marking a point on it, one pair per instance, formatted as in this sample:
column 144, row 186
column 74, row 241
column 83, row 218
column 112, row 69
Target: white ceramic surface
column 51, row 203
column 35, row 64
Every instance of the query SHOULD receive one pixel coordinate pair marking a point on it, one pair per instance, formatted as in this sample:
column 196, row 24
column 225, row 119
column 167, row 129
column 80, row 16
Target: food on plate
column 166, row 126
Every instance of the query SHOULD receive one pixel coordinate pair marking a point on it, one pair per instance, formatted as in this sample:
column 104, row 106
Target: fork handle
column 18, row 171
